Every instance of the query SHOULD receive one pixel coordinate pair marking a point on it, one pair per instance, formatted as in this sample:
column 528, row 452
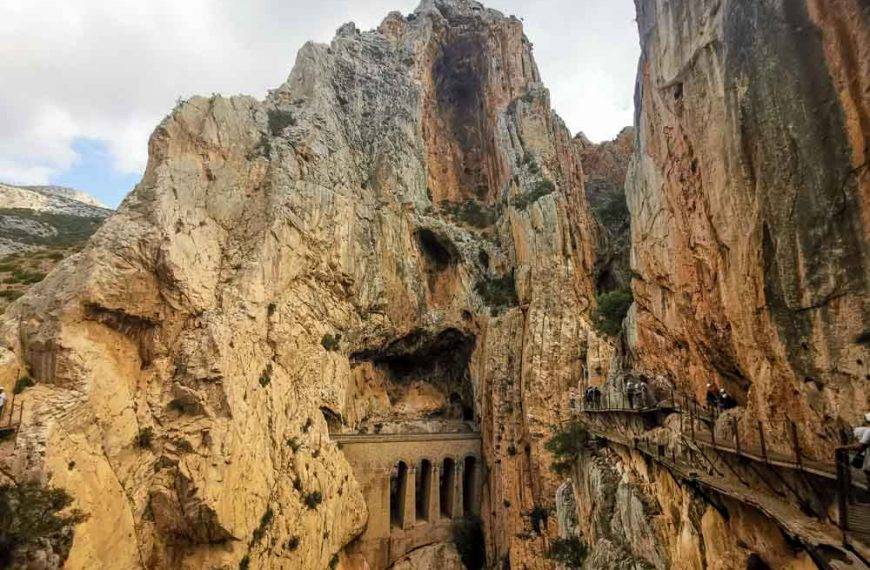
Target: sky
column 86, row 81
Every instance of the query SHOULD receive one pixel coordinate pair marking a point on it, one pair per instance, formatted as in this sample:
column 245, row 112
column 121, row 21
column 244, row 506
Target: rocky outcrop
column 605, row 166
column 399, row 230
column 748, row 195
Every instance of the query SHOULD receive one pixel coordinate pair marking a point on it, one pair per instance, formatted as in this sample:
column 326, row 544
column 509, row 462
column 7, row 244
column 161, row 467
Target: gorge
column 352, row 325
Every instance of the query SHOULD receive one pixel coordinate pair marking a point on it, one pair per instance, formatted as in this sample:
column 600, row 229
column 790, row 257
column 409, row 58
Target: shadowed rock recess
column 336, row 328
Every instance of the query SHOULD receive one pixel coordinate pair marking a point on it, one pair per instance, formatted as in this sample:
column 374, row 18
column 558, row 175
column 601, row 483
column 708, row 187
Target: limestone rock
column 399, row 229
column 442, row 556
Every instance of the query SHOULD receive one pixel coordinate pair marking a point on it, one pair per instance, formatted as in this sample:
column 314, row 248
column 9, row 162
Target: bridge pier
column 409, row 498
column 433, row 509
column 458, row 501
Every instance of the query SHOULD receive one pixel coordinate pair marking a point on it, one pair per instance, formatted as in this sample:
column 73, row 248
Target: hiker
column 641, row 394
column 862, row 458
column 629, row 392
column 712, row 397
column 595, row 397
column 2, row 402
column 726, row 402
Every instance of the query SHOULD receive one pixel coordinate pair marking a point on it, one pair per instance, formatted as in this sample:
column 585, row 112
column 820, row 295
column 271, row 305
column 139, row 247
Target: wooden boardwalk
column 819, row 537
column 10, row 418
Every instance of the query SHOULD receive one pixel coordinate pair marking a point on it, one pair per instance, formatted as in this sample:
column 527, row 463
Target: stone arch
column 423, row 490
column 470, row 476
column 398, row 481
column 447, row 488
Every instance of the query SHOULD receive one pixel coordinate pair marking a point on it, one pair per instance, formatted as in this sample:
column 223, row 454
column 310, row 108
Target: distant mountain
column 39, row 226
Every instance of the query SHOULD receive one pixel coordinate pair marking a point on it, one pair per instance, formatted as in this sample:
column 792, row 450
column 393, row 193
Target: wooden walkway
column 10, row 418
column 817, row 536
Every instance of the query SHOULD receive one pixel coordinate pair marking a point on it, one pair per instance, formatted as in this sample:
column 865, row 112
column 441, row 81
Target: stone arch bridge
column 417, row 486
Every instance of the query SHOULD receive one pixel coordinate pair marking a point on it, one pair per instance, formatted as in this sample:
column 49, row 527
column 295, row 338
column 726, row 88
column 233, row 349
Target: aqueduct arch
column 416, row 487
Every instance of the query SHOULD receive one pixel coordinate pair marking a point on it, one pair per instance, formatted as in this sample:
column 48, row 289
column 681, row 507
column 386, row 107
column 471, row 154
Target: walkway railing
column 10, row 417
column 774, row 443
column 854, row 513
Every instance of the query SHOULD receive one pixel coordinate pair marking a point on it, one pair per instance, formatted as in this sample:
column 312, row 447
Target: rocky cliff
column 40, row 225
column 748, row 194
column 397, row 233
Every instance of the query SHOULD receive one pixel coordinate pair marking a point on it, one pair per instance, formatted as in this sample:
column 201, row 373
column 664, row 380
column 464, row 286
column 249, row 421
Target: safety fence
column 10, row 417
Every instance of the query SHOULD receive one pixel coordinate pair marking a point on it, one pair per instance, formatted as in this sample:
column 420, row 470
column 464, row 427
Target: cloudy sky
column 85, row 81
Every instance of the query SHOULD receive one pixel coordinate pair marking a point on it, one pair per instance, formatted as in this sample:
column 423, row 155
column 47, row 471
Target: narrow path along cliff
column 369, row 321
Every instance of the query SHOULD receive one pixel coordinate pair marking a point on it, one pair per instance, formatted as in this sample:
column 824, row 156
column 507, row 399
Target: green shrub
column 611, row 310
column 566, row 446
column 293, row 543
column 541, row 189
column 144, row 437
column 294, row 444
column 612, row 211
column 313, row 499
column 330, row 342
column 266, row 376
column 22, row 384
column 10, row 294
column 30, row 515
column 265, row 521
column 471, row 212
column 498, row 292
column 568, row 551
column 280, row 119
column 245, row 562
column 468, row 537
column 333, row 562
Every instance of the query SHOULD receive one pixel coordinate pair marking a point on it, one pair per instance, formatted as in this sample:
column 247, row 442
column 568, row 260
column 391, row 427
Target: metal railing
column 854, row 512
column 10, row 416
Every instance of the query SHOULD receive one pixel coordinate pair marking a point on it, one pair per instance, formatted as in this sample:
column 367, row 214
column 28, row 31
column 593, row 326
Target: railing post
column 736, row 435
column 843, row 487
column 692, row 422
column 761, row 439
column 796, row 444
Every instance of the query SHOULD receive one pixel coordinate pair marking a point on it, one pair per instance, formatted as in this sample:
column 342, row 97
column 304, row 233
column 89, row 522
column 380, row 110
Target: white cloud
column 111, row 69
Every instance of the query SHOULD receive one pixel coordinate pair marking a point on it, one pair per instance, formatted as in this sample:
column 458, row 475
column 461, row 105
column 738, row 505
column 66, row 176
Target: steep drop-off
column 748, row 195
column 398, row 232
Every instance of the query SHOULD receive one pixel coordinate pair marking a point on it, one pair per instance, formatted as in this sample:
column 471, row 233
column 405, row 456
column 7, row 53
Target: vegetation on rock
column 468, row 537
column 568, row 551
column 611, row 310
column 34, row 517
column 566, row 445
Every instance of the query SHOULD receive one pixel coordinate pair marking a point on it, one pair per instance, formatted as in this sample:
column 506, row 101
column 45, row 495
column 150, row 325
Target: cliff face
column 749, row 198
column 748, row 194
column 605, row 166
column 398, row 233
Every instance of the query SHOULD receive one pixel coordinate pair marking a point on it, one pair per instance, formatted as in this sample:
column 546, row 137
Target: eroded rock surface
column 397, row 232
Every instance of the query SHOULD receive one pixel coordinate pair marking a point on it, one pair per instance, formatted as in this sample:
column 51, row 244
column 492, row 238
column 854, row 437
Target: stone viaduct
column 417, row 486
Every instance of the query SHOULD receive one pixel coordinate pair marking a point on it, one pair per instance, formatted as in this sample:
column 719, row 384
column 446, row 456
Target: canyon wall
column 748, row 194
column 396, row 235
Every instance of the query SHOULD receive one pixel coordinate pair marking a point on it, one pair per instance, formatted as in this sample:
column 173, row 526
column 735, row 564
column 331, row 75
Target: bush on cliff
column 568, row 551
column 611, row 310
column 34, row 517
column 566, row 445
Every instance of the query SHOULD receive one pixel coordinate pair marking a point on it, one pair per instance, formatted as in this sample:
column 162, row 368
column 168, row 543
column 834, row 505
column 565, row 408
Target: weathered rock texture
column 398, row 231
column 749, row 194
column 749, row 198
column 605, row 166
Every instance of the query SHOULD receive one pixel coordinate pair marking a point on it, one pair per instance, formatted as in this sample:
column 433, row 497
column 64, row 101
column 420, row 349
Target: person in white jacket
column 862, row 434
column 2, row 402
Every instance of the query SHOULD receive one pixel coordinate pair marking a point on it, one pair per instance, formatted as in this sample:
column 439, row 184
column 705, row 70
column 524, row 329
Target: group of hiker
column 719, row 400
column 636, row 395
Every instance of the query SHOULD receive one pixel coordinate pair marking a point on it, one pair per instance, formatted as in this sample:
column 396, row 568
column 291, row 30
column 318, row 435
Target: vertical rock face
column 398, row 232
column 749, row 199
column 748, row 194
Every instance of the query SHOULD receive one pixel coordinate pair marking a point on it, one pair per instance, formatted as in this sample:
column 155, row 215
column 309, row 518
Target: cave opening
column 438, row 251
